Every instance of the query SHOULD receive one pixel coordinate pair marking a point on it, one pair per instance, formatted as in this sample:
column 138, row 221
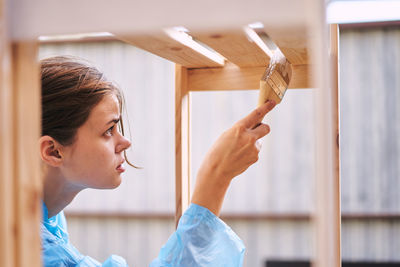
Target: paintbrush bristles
column 275, row 79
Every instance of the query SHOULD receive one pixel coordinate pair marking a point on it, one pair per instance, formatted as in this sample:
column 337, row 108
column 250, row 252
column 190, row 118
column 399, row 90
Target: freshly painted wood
column 182, row 142
column 27, row 92
column 235, row 46
column 232, row 77
column 292, row 41
column 160, row 44
column 68, row 39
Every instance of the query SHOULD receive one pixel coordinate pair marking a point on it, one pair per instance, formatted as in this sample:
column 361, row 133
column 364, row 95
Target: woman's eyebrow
column 113, row 121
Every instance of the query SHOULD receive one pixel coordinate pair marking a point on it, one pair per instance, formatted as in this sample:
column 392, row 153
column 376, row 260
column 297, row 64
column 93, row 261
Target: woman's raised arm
column 233, row 152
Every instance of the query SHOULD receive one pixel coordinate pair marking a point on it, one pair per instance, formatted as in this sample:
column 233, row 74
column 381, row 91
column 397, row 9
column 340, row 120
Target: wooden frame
column 327, row 218
column 196, row 72
column 182, row 142
column 296, row 27
column 20, row 182
column 27, row 94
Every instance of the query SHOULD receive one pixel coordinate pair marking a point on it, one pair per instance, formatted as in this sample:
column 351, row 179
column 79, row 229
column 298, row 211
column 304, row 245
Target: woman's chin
column 116, row 181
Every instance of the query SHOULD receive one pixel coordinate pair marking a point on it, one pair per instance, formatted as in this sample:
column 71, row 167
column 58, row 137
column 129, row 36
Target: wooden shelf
column 294, row 26
column 232, row 77
column 162, row 45
column 235, row 46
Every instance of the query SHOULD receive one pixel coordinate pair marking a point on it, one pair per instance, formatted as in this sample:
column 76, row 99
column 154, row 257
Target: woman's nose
column 123, row 144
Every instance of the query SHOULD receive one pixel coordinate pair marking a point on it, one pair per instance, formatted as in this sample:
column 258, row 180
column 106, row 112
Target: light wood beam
column 327, row 179
column 160, row 44
column 292, row 41
column 232, row 77
column 334, row 60
column 235, row 46
column 182, row 142
column 27, row 95
column 7, row 181
column 47, row 17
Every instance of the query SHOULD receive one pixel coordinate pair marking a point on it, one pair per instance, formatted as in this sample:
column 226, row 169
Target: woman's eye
column 110, row 130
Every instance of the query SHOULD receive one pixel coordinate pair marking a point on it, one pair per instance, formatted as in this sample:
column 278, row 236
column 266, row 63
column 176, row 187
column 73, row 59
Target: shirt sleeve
column 201, row 239
column 59, row 252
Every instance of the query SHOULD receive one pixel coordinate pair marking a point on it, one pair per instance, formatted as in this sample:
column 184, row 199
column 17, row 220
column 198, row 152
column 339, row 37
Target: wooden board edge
column 232, row 77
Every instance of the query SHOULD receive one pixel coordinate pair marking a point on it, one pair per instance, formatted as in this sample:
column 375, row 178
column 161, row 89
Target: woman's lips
column 120, row 168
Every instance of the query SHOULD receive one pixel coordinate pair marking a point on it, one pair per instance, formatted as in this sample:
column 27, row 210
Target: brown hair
column 71, row 88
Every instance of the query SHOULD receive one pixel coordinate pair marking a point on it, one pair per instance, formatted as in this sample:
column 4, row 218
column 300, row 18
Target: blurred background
column 269, row 206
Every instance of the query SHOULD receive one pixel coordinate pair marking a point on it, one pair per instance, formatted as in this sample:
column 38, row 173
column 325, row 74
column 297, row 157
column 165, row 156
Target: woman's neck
column 58, row 192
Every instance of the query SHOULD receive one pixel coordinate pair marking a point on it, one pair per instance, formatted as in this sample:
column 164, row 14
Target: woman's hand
column 233, row 152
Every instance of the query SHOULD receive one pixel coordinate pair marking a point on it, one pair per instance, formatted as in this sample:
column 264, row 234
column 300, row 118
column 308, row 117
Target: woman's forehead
column 107, row 109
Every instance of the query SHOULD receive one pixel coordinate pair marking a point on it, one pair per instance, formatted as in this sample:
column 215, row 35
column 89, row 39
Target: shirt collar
column 45, row 212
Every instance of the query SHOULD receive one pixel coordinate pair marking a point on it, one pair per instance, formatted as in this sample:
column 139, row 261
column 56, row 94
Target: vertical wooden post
column 327, row 218
column 182, row 142
column 20, row 181
column 334, row 58
column 28, row 190
column 7, row 205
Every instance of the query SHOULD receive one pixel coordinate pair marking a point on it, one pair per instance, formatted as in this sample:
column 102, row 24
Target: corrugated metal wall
column 281, row 182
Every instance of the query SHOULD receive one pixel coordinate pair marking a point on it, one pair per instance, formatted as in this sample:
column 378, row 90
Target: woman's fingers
column 261, row 130
column 256, row 116
column 258, row 145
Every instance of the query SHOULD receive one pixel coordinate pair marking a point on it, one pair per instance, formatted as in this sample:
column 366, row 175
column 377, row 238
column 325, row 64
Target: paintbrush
column 276, row 78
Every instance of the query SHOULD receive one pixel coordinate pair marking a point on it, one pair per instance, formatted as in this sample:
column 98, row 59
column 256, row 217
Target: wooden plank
column 292, row 41
column 26, row 85
column 327, row 216
column 232, row 77
column 235, row 46
column 7, row 205
column 182, row 142
column 334, row 60
column 31, row 18
column 159, row 43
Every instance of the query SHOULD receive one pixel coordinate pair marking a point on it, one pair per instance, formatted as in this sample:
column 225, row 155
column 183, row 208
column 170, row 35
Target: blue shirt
column 201, row 239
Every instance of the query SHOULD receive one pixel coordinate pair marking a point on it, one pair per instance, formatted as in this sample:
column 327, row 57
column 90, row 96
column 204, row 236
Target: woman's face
column 95, row 158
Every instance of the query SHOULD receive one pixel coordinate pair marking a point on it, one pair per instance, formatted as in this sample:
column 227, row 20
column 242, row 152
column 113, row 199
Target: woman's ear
column 50, row 151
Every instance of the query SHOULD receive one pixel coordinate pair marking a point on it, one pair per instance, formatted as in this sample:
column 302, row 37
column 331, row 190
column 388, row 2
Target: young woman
column 83, row 146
